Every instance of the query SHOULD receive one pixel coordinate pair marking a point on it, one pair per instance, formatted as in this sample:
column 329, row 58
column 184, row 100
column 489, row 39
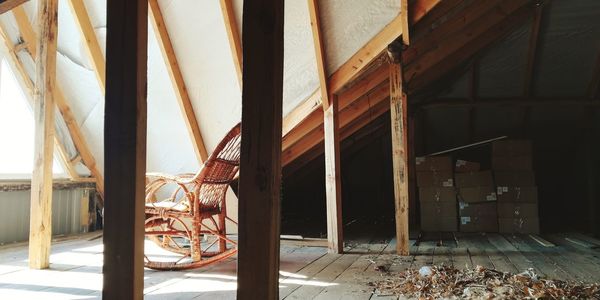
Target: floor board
column 307, row 272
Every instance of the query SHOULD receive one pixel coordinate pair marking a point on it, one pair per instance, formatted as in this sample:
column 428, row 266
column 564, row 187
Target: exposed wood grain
column 125, row 148
column 181, row 93
column 29, row 36
column 260, row 164
column 7, row 5
column 88, row 34
column 333, row 180
column 40, row 230
column 399, row 123
column 233, row 35
column 315, row 25
column 405, row 25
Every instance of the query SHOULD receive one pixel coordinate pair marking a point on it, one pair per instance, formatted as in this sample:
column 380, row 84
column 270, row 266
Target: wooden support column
column 333, row 181
column 125, row 148
column 333, row 185
column 40, row 230
column 399, row 115
column 260, row 165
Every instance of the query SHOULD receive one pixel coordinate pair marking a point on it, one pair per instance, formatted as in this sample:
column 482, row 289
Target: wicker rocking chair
column 190, row 221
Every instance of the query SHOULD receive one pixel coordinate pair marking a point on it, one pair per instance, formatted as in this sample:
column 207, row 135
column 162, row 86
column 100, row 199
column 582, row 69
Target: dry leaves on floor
column 480, row 283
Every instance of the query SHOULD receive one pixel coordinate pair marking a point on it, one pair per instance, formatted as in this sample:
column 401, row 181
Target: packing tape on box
column 462, row 205
column 518, row 189
column 460, row 162
column 465, row 220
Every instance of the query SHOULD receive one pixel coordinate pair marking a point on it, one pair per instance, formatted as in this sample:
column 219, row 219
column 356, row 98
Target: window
column 16, row 130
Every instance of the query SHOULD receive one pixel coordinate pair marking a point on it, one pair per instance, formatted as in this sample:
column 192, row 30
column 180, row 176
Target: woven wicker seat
column 186, row 214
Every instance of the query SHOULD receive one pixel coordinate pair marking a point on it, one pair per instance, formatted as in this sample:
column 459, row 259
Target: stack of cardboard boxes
column 437, row 195
column 477, row 201
column 515, row 186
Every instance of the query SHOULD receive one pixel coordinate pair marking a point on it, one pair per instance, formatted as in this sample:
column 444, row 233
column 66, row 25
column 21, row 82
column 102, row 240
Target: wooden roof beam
column 29, row 37
column 405, row 20
column 8, row 5
column 367, row 54
column 88, row 34
column 183, row 98
column 315, row 24
column 233, row 35
column 532, row 51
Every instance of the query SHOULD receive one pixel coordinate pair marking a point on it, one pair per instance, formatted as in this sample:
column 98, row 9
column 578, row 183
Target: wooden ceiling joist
column 183, row 98
column 231, row 27
column 7, row 5
column 405, row 27
column 88, row 34
column 76, row 135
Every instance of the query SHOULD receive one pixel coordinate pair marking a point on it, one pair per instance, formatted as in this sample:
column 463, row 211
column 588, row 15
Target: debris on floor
column 441, row 282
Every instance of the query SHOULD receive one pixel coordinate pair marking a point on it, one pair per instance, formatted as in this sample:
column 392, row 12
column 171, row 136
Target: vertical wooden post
column 40, row 230
column 399, row 115
column 333, row 184
column 125, row 148
column 260, row 165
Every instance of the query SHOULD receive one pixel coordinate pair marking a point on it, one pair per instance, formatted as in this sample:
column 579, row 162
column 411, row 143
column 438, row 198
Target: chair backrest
column 220, row 169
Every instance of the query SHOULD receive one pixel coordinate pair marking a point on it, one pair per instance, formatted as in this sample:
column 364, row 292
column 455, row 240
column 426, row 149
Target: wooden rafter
column 364, row 56
column 233, row 35
column 532, row 51
column 40, row 230
column 405, row 27
column 91, row 41
column 7, row 5
column 29, row 37
column 306, row 135
column 183, row 98
column 315, row 24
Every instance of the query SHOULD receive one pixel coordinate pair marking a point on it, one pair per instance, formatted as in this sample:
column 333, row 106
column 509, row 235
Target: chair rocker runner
column 189, row 217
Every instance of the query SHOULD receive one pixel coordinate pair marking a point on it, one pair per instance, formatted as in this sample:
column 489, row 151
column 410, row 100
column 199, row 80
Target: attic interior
column 337, row 149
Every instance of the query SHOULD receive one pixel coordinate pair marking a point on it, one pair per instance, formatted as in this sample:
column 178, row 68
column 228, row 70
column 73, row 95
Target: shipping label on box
column 527, row 194
column 514, row 178
column 517, row 210
column 474, row 179
column 477, row 194
column 434, row 163
column 435, row 179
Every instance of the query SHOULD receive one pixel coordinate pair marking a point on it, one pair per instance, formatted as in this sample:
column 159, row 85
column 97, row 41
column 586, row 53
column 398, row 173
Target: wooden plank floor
column 307, row 272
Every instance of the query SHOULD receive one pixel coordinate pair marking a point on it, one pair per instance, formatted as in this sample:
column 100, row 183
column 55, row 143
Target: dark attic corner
column 317, row 149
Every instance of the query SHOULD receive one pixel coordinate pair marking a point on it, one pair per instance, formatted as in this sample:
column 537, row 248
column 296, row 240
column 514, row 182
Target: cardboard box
column 439, row 224
column 478, row 224
column 439, row 179
column 434, row 163
column 437, row 194
column 519, row 225
column 463, row 166
column 514, row 178
column 528, row 194
column 474, row 179
column 512, row 163
column 517, row 210
column 487, row 210
column 432, row 210
column 477, row 194
column 512, row 148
